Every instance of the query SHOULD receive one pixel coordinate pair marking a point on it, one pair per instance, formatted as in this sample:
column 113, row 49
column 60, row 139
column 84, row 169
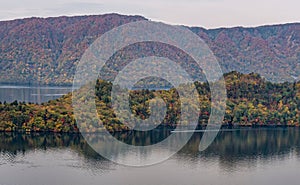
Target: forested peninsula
column 251, row 101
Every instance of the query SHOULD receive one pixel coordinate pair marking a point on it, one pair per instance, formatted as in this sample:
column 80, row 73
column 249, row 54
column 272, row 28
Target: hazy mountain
column 46, row 50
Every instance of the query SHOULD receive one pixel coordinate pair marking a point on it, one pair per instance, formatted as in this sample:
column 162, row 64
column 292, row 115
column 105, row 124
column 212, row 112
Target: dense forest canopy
column 47, row 50
column 251, row 101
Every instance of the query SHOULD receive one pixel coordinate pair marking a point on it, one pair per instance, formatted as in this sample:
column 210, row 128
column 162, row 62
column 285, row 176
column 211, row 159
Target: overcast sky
column 205, row 13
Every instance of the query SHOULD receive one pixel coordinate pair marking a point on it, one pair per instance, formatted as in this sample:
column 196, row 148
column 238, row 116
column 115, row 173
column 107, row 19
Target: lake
column 239, row 157
column 33, row 94
column 39, row 94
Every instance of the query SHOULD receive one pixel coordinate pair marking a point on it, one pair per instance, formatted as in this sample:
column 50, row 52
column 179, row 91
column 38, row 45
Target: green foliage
column 251, row 101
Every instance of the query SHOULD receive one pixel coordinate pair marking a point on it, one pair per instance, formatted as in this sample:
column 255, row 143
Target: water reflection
column 19, row 144
column 245, row 148
column 229, row 148
column 245, row 157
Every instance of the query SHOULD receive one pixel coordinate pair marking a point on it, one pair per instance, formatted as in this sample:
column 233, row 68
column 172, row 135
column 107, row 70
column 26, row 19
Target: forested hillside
column 251, row 101
column 46, row 50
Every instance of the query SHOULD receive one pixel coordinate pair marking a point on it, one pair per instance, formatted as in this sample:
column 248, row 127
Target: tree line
column 251, row 101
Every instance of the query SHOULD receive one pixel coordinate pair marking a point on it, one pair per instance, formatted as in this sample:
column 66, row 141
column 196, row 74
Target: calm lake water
column 38, row 94
column 239, row 157
column 10, row 93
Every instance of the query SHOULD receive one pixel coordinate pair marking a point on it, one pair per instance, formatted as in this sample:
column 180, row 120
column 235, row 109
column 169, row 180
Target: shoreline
column 163, row 128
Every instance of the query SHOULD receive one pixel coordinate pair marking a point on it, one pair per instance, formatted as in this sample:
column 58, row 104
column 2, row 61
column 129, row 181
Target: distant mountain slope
column 46, row 50
column 272, row 51
column 39, row 50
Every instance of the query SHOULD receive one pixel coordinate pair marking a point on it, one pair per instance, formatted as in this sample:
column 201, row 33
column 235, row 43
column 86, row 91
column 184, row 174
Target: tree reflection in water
column 230, row 148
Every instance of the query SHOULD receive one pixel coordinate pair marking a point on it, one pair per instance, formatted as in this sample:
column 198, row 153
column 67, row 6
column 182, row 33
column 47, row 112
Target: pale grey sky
column 205, row 13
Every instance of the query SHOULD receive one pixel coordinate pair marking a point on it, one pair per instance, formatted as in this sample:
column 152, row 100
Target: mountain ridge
column 143, row 17
column 46, row 50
